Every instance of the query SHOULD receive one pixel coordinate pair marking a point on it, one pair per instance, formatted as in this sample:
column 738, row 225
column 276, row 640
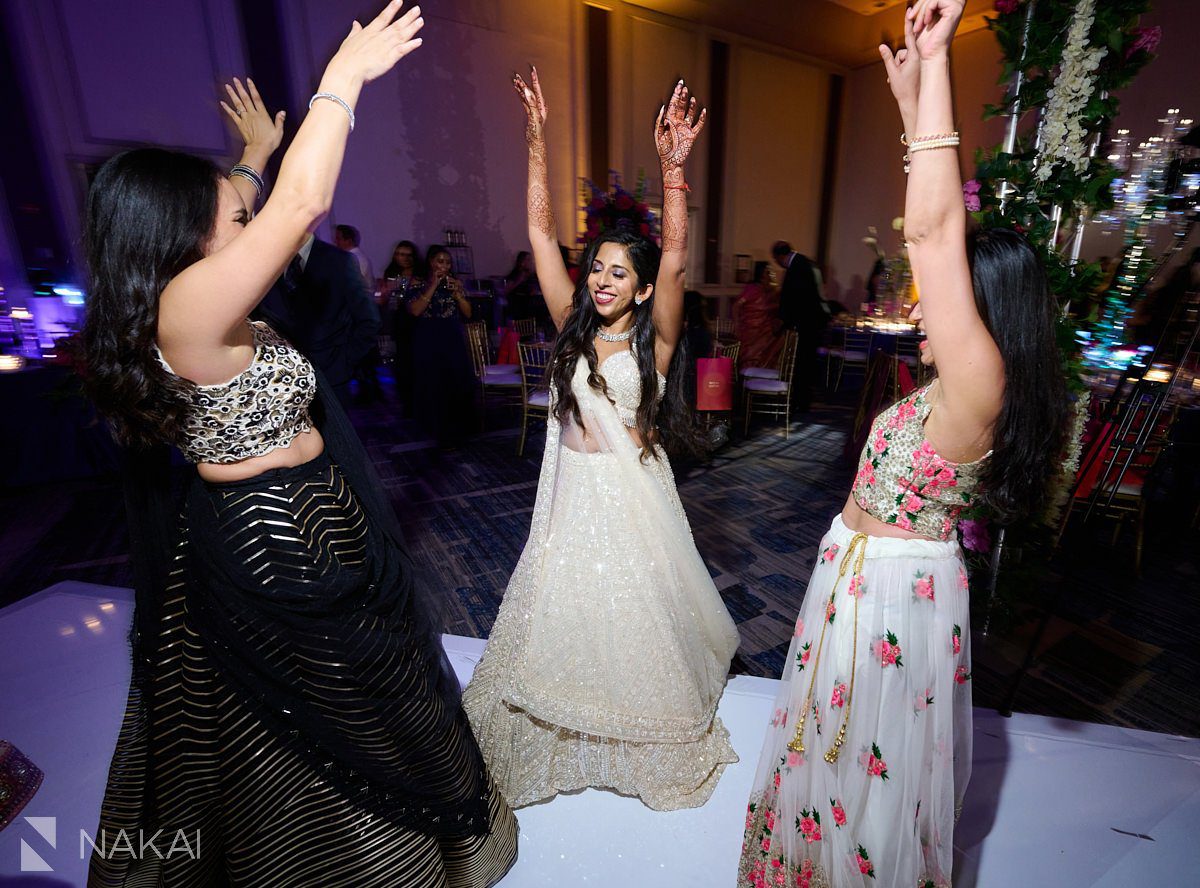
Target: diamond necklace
column 616, row 337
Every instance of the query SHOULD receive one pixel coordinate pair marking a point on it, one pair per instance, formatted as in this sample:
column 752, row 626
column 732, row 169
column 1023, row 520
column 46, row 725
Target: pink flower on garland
column 971, row 195
column 858, row 586
column 975, row 535
column 956, row 639
column 830, row 552
column 830, row 611
column 961, row 675
column 1145, row 40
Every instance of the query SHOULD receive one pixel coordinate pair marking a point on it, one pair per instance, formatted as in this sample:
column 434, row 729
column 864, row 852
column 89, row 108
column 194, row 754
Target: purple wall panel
column 143, row 72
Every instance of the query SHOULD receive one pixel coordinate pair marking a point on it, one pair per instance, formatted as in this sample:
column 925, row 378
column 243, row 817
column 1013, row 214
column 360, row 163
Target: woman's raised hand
column 677, row 127
column 535, row 104
column 904, row 72
column 250, row 115
column 371, row 51
column 934, row 23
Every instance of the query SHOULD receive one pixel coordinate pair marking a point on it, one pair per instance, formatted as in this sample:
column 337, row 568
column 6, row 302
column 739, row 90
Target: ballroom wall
column 440, row 141
column 871, row 182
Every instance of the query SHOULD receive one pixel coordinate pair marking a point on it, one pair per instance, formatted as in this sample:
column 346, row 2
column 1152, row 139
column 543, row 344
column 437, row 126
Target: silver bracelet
column 249, row 173
column 345, row 105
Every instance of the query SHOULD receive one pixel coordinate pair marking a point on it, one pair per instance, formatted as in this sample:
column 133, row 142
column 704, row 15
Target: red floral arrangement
column 616, row 208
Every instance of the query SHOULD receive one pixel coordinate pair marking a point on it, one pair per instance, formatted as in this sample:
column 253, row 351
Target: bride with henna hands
column 866, row 761
column 289, row 698
column 612, row 645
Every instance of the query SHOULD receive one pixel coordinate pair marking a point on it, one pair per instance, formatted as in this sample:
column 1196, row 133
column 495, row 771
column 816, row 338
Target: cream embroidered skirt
column 611, row 647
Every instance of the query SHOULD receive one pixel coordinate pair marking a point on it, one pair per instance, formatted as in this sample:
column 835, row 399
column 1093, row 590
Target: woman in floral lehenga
column 868, row 752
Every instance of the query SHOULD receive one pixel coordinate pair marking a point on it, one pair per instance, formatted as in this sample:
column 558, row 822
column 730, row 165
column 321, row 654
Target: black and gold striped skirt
column 296, row 718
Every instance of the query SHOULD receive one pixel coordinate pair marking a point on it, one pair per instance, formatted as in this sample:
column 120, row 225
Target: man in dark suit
column 801, row 308
column 322, row 306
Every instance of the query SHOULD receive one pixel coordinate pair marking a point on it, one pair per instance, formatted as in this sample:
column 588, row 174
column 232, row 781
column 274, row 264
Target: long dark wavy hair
column 149, row 215
column 668, row 422
column 393, row 270
column 1029, row 435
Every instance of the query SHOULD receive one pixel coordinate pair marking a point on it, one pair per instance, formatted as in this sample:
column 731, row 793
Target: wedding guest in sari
column 756, row 319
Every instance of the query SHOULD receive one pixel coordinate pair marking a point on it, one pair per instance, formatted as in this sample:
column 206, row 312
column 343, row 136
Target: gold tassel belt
column 858, row 550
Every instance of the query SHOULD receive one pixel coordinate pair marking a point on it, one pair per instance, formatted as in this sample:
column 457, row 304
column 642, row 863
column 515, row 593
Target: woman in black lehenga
column 289, row 703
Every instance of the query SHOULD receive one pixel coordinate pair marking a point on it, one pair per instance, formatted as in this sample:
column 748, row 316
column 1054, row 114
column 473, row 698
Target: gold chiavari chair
column 773, row 397
column 535, row 393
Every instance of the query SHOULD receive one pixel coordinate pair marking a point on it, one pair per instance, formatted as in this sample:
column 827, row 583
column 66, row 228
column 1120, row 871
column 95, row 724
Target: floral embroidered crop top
column 903, row 481
column 261, row 409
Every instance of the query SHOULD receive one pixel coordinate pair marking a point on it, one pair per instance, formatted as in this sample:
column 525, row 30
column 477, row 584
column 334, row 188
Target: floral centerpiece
column 616, row 208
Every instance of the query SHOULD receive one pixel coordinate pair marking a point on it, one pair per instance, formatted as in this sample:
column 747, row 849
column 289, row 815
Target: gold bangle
column 935, row 137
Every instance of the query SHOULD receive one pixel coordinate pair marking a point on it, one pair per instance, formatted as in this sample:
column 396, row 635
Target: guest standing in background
column 756, row 319
column 322, row 306
column 398, row 276
column 346, row 237
column 288, row 697
column 802, row 309
column 520, row 297
column 867, row 755
column 442, row 372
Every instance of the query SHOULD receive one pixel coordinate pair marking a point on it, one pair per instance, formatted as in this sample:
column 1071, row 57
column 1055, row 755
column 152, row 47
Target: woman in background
column 756, row 319
column 443, row 377
column 398, row 276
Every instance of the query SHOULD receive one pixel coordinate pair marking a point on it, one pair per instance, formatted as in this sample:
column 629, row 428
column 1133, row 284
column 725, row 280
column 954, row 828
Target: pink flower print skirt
column 883, row 814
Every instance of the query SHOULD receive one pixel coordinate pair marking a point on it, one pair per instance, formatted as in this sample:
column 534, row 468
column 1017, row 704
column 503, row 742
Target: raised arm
column 557, row 289
column 204, row 307
column 675, row 132
column 261, row 134
column 969, row 365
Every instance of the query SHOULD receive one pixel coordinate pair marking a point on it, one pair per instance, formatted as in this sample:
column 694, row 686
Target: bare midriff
column 304, row 447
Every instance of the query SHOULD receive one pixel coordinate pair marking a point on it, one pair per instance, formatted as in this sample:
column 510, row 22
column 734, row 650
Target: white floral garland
column 1060, row 487
column 1063, row 137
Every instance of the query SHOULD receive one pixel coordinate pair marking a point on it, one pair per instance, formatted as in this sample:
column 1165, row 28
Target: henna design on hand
column 541, row 215
column 677, row 127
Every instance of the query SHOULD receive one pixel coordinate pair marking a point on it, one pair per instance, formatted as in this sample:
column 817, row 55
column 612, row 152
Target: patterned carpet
column 1120, row 649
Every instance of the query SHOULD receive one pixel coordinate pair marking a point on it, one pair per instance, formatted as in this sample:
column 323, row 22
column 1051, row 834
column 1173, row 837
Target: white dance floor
column 1051, row 803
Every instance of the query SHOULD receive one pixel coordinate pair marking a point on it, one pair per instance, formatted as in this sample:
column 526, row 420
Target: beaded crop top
column 903, row 481
column 261, row 409
column 624, row 383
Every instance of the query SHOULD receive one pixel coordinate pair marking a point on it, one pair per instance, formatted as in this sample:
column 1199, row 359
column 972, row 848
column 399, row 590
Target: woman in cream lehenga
column 612, row 645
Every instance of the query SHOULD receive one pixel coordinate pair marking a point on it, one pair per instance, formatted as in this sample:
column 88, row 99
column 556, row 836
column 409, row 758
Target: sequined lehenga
column 612, row 645
column 291, row 705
